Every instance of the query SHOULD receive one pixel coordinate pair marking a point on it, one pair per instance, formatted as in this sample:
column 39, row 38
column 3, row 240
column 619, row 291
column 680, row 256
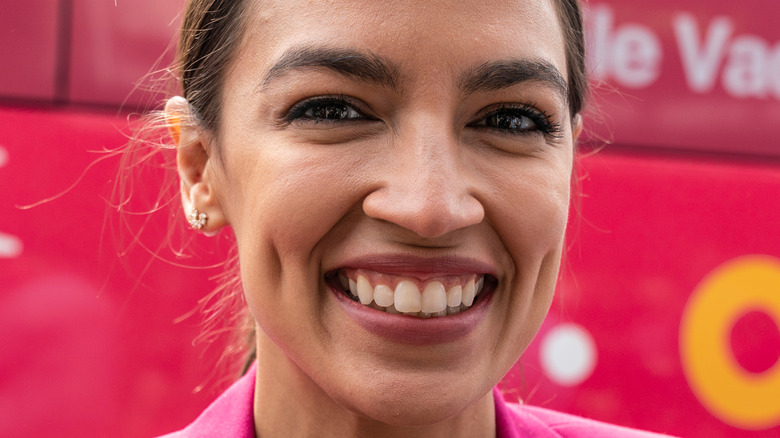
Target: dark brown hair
column 209, row 36
column 570, row 15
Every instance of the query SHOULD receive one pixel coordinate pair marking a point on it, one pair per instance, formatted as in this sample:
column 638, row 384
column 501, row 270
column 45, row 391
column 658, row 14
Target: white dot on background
column 3, row 156
column 568, row 354
column 10, row 246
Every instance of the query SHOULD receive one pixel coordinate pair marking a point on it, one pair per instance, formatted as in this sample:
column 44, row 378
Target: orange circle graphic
column 734, row 395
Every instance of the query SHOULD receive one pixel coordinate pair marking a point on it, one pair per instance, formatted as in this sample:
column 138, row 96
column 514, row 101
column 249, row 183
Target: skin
column 416, row 175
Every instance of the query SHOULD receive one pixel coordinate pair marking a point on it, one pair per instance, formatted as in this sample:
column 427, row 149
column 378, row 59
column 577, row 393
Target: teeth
column 383, row 296
column 407, row 297
column 352, row 287
column 469, row 292
column 364, row 290
column 434, row 300
column 454, row 296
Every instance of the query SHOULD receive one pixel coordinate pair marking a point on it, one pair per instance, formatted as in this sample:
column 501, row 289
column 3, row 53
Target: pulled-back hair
column 208, row 39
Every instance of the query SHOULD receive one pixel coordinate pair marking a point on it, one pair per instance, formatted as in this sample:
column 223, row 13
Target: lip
column 413, row 330
column 421, row 268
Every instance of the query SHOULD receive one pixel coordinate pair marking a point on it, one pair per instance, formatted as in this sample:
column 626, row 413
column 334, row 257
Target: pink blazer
column 231, row 416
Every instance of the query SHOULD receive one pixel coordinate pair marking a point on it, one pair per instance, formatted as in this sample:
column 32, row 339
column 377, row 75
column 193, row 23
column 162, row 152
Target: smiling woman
column 397, row 178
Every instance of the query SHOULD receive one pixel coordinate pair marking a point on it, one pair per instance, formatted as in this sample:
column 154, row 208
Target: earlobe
column 193, row 163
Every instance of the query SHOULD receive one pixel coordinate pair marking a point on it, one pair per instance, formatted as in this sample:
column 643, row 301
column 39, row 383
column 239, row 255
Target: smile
column 393, row 294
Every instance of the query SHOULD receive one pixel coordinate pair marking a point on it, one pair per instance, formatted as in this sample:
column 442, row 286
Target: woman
column 397, row 176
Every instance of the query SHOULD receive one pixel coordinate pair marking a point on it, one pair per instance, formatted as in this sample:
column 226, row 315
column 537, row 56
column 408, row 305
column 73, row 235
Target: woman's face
column 414, row 154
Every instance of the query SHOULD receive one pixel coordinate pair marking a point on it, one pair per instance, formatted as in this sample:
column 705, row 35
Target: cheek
column 283, row 201
column 283, row 204
column 530, row 208
column 286, row 199
column 531, row 219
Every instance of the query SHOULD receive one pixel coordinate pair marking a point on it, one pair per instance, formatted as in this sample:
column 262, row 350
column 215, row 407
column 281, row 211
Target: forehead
column 420, row 37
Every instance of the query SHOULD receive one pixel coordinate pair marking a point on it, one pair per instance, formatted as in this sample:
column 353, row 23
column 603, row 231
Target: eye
column 331, row 111
column 510, row 121
column 517, row 119
column 324, row 109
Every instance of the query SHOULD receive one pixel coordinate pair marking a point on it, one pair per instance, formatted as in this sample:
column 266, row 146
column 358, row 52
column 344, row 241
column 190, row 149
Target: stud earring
column 197, row 219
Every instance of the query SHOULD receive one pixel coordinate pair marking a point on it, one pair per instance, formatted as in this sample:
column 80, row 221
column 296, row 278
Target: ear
column 194, row 164
column 576, row 128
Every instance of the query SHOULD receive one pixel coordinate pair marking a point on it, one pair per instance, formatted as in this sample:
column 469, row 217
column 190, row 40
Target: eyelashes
column 325, row 109
column 504, row 118
column 518, row 119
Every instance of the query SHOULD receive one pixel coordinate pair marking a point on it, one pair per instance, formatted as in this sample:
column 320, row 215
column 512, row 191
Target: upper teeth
column 434, row 300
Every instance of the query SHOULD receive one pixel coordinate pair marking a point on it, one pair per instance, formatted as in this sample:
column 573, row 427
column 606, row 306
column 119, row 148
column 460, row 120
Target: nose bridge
column 432, row 158
column 427, row 189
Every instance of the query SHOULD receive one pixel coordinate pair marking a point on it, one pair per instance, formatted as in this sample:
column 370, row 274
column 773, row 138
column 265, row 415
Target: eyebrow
column 496, row 75
column 369, row 67
column 366, row 67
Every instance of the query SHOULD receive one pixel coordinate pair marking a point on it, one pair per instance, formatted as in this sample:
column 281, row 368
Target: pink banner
column 700, row 75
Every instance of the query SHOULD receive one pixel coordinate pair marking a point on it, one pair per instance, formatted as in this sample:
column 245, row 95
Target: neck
column 289, row 403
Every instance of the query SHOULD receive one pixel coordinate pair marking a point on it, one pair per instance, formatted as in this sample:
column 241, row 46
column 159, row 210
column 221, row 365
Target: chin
column 406, row 404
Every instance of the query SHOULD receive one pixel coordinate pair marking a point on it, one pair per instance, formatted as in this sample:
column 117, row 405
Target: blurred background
column 668, row 307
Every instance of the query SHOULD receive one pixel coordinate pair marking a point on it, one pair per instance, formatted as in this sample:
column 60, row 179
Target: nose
column 427, row 189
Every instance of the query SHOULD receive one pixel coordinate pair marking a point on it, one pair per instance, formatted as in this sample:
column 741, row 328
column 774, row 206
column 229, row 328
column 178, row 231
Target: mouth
column 433, row 297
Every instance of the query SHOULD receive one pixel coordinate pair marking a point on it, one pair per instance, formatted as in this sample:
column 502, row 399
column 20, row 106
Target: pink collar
column 231, row 415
